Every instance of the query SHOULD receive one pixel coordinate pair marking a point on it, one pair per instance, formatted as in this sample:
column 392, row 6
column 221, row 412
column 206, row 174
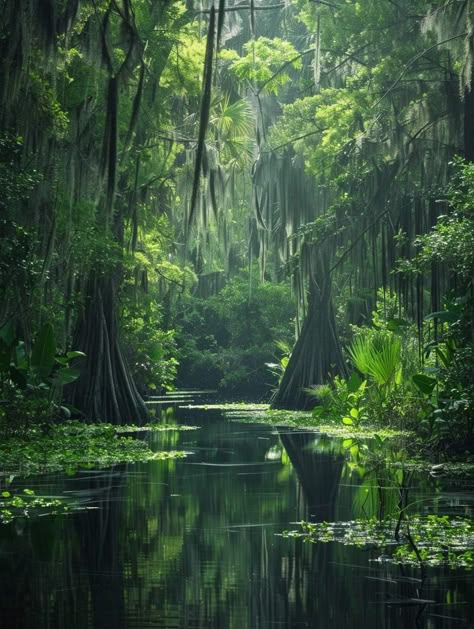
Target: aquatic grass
column 436, row 540
column 74, row 445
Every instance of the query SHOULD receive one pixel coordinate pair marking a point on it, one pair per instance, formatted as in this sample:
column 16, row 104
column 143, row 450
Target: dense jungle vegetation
column 271, row 199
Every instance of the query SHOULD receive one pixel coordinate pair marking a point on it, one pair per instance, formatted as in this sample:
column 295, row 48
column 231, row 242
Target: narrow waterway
column 194, row 544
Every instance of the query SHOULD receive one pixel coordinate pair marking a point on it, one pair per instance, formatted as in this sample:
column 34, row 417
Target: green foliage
column 263, row 61
column 16, row 181
column 183, row 75
column 381, row 391
column 278, row 369
column 49, row 113
column 31, row 380
column 378, row 356
column 43, row 352
column 329, row 125
column 342, row 400
column 447, row 383
column 73, row 445
column 425, row 384
column 451, row 240
column 20, row 264
column 328, row 424
column 27, row 505
column 226, row 340
column 438, row 540
column 150, row 350
column 152, row 289
column 106, row 111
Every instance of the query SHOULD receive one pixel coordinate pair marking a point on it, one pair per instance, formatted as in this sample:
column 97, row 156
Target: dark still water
column 192, row 544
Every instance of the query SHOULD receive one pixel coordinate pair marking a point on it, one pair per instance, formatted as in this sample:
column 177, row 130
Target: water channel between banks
column 194, row 544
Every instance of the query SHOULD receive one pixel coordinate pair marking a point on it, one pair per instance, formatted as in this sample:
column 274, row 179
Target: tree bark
column 469, row 121
column 317, row 354
column 105, row 390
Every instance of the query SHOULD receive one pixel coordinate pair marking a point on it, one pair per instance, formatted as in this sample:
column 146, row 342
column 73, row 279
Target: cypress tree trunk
column 469, row 121
column 105, row 390
column 317, row 353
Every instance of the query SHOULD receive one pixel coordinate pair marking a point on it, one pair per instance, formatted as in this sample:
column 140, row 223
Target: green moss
column 74, row 445
column 439, row 540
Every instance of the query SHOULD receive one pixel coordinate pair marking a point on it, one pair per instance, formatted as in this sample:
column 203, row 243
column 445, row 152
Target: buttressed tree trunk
column 317, row 354
column 105, row 391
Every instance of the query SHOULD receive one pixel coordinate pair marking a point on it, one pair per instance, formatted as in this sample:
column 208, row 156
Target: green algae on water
column 74, row 445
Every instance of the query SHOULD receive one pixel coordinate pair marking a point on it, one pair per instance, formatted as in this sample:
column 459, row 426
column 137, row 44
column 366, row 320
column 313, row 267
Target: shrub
column 227, row 340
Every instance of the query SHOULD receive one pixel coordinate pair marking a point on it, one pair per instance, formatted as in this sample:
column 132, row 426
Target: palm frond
column 378, row 357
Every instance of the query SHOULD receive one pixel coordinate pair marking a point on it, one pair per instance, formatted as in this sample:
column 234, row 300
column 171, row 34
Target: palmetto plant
column 232, row 124
column 378, row 357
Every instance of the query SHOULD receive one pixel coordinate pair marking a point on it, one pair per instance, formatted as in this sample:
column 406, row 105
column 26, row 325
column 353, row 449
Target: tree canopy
column 152, row 151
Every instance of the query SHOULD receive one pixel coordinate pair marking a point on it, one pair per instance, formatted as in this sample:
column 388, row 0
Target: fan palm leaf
column 378, row 357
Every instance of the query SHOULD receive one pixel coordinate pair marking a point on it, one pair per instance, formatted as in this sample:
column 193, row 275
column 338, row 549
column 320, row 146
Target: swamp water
column 194, row 543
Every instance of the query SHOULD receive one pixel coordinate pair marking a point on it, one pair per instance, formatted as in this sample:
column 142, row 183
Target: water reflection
column 191, row 545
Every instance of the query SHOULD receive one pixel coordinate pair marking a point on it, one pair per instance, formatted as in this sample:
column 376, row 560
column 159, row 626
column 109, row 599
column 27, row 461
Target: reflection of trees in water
column 207, row 557
column 61, row 570
column 318, row 474
column 339, row 585
column 310, row 587
column 98, row 534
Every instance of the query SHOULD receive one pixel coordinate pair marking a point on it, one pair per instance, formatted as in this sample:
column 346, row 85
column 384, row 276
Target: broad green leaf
column 75, row 354
column 446, row 316
column 378, row 439
column 348, row 421
column 442, row 356
column 44, row 351
column 354, row 382
column 399, row 377
column 424, row 383
column 354, row 451
column 395, row 324
column 66, row 376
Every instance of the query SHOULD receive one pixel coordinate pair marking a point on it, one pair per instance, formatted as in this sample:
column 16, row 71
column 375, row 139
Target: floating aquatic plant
column 434, row 540
column 74, row 445
column 263, row 414
column 28, row 504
